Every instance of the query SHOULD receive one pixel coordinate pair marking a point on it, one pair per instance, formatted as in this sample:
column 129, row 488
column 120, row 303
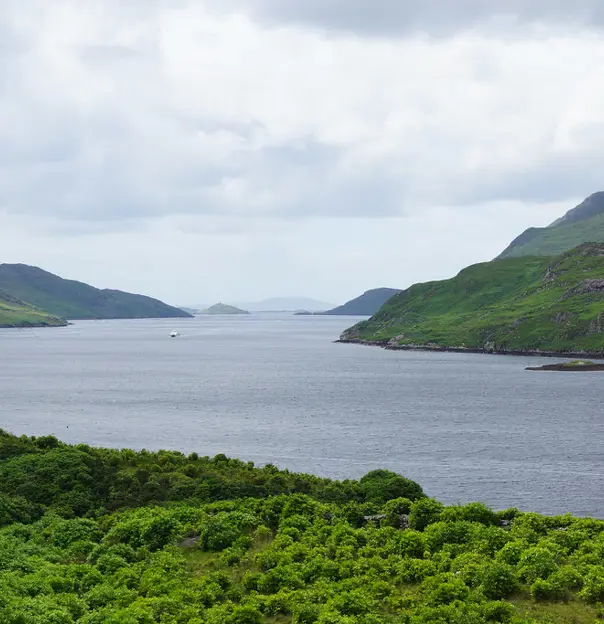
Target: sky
column 232, row 150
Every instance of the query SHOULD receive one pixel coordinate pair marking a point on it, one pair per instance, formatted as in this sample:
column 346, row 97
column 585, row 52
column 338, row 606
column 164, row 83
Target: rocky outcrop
column 588, row 286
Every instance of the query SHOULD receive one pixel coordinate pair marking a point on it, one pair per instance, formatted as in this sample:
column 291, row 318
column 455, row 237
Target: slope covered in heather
column 516, row 304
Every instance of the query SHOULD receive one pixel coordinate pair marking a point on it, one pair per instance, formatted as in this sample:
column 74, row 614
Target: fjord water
column 274, row 388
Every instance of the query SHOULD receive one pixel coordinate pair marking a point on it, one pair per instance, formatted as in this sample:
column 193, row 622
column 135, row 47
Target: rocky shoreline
column 491, row 350
column 569, row 367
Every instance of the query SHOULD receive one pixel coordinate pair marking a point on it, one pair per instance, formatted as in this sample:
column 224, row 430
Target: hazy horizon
column 237, row 150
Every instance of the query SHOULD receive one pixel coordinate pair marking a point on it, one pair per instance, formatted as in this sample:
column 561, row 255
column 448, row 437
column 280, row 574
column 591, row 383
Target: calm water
column 275, row 389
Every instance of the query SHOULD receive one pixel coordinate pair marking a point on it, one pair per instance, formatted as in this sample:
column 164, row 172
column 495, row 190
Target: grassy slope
column 556, row 240
column 75, row 300
column 15, row 313
column 513, row 303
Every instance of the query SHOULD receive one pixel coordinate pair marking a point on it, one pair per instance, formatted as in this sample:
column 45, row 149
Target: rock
column 563, row 317
column 395, row 341
column 190, row 542
column 597, row 326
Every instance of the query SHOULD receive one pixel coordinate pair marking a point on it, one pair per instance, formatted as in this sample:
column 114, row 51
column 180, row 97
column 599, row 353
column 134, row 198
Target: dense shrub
column 95, row 536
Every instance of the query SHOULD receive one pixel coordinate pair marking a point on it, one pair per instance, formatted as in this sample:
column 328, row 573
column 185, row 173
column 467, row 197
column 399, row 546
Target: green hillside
column 75, row 300
column 15, row 313
column 102, row 536
column 581, row 224
column 517, row 304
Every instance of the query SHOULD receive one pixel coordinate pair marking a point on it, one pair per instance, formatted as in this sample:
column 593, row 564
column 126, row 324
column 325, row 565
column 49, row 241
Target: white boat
column 174, row 334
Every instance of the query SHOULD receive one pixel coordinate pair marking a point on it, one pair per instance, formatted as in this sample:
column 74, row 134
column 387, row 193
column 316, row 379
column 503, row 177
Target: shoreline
column 475, row 350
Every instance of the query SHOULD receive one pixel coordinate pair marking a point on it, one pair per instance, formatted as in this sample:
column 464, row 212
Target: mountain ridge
column 583, row 223
column 366, row 304
column 76, row 300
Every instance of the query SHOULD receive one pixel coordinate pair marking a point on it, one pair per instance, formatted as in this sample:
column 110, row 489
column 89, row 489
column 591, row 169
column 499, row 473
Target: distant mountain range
column 584, row 223
column 67, row 299
column 285, row 304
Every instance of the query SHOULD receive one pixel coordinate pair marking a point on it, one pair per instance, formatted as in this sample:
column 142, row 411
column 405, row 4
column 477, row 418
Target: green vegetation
column 15, row 313
column 75, row 300
column 365, row 305
column 515, row 304
column 223, row 308
column 99, row 536
column 582, row 224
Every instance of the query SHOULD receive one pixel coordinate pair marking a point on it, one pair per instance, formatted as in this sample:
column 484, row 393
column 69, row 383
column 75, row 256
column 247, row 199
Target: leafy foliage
column 86, row 540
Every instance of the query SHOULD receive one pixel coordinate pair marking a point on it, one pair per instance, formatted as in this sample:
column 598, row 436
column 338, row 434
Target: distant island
column 223, row 308
column 519, row 305
column 55, row 299
column 366, row 304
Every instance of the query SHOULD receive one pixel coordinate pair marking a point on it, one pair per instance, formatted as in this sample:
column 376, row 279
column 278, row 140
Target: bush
column 536, row 563
column 547, row 590
column 424, row 512
column 593, row 586
column 498, row 581
column 380, row 486
column 473, row 512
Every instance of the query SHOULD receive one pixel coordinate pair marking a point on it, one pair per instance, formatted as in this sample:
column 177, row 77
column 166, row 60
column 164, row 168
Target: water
column 272, row 388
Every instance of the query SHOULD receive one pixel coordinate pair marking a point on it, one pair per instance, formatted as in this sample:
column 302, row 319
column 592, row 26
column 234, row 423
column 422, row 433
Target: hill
column 15, row 313
column 584, row 223
column 102, row 536
column 223, row 308
column 76, row 300
column 527, row 304
column 286, row 304
column 366, row 304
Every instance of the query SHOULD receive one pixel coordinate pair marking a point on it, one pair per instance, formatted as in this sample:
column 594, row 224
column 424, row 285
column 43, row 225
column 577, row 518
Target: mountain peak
column 582, row 224
column 589, row 207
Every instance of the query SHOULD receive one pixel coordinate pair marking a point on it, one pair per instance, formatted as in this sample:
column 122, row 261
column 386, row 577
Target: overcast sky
column 204, row 150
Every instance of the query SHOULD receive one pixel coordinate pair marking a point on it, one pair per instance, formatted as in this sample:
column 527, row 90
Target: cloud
column 115, row 113
column 435, row 17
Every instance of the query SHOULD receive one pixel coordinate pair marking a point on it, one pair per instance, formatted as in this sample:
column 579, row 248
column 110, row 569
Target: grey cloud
column 393, row 17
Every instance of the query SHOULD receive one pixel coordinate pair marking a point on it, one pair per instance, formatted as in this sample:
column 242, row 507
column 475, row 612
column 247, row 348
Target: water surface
column 274, row 388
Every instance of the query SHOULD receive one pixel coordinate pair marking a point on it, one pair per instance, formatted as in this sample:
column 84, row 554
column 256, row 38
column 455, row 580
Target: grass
column 552, row 241
column 515, row 304
column 15, row 313
column 573, row 612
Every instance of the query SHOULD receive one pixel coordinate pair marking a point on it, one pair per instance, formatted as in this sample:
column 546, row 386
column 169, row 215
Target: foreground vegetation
column 15, row 313
column 99, row 536
column 516, row 304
